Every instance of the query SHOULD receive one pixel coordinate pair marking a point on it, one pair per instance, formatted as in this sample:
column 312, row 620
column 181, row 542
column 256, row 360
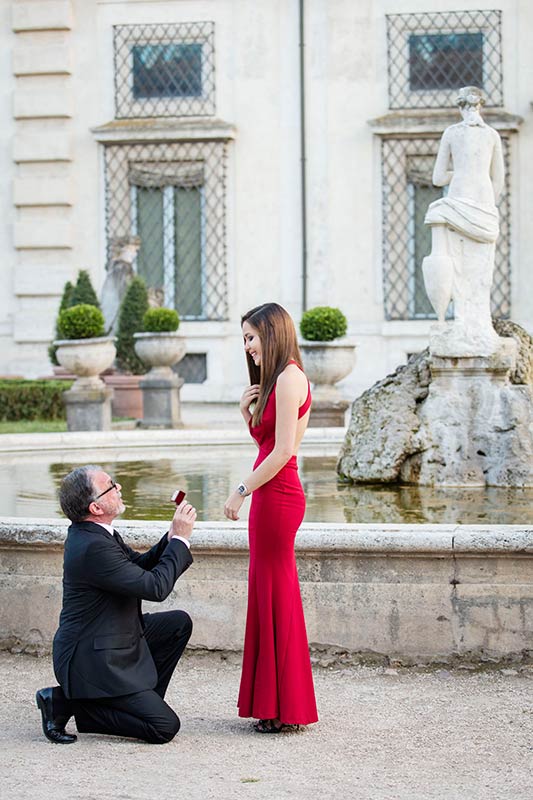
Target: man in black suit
column 112, row 662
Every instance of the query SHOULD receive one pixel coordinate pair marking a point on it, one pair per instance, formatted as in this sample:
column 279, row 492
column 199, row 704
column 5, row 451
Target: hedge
column 25, row 399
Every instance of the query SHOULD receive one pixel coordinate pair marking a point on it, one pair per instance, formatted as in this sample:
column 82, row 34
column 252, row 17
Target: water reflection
column 28, row 487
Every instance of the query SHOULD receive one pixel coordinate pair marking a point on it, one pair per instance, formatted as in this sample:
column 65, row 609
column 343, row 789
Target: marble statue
column 119, row 274
column 464, row 228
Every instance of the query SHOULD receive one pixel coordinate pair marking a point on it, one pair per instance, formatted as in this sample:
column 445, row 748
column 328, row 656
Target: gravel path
column 383, row 734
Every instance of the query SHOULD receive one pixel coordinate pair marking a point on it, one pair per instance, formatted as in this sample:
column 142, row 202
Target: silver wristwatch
column 243, row 490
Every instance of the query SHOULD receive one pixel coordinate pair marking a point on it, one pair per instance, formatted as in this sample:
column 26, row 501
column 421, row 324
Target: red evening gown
column 276, row 680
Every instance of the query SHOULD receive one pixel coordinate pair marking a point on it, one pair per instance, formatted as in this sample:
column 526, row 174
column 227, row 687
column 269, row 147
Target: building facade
column 261, row 150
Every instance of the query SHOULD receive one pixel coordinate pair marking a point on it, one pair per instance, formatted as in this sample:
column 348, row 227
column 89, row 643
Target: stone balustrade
column 414, row 594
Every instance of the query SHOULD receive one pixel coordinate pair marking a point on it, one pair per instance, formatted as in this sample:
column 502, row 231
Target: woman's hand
column 232, row 505
column 250, row 394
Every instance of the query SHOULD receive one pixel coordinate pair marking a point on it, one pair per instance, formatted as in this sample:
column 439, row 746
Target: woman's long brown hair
column 279, row 345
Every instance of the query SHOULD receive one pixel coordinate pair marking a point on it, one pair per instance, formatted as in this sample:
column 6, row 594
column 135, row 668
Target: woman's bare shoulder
column 292, row 378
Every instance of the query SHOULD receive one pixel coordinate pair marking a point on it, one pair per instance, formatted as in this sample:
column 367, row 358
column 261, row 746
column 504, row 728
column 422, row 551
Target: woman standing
column 276, row 682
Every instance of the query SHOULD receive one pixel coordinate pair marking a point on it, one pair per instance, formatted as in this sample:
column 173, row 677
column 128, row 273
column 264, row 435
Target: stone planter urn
column 325, row 364
column 160, row 351
column 88, row 401
column 161, row 385
column 86, row 358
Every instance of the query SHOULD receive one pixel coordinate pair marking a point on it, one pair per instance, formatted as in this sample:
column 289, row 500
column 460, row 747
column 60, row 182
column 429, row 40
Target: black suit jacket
column 99, row 648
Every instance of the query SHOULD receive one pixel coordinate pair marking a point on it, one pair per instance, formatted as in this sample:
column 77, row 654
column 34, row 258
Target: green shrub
column 27, row 400
column 83, row 292
column 132, row 310
column 323, row 324
column 66, row 298
column 81, row 322
column 161, row 320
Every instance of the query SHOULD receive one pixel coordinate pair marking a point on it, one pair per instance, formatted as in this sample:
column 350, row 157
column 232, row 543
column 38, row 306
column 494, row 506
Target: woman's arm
column 441, row 174
column 288, row 395
column 497, row 167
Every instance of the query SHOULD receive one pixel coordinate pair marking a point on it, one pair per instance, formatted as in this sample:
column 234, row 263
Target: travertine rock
column 383, row 424
column 523, row 371
column 448, row 421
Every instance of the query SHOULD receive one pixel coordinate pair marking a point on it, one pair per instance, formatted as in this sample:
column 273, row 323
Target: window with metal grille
column 407, row 167
column 172, row 195
column 192, row 368
column 430, row 56
column 164, row 70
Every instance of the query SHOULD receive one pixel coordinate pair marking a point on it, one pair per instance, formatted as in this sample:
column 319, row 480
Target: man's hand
column 183, row 521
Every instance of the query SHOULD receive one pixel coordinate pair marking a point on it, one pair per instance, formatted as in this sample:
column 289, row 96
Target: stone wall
column 423, row 594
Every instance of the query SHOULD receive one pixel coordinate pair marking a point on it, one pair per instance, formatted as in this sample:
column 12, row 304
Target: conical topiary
column 65, row 303
column 130, row 321
column 83, row 292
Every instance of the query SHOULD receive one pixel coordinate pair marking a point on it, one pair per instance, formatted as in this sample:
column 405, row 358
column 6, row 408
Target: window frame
column 125, row 37
column 400, row 27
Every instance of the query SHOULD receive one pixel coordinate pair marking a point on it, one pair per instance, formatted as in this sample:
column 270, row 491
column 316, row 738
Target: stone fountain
column 461, row 413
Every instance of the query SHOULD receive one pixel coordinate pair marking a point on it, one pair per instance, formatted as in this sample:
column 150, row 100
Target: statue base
column 476, row 428
column 453, row 340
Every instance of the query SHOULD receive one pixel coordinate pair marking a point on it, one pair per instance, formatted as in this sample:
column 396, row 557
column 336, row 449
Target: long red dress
column 276, row 680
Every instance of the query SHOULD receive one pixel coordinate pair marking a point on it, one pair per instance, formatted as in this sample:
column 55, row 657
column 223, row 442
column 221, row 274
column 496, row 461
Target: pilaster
column 43, row 150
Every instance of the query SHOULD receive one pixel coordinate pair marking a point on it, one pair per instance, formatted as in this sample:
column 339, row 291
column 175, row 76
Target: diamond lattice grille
column 164, row 70
column 430, row 55
column 407, row 166
column 173, row 196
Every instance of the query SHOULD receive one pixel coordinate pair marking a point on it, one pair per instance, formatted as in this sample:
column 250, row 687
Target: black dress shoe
column 53, row 727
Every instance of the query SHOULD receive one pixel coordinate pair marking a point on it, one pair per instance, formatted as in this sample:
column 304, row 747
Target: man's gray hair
column 77, row 492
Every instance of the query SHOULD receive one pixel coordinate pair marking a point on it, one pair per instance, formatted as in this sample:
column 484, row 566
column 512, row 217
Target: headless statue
column 464, row 230
column 119, row 275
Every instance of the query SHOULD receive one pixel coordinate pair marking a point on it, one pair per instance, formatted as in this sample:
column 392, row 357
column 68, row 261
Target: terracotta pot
column 127, row 394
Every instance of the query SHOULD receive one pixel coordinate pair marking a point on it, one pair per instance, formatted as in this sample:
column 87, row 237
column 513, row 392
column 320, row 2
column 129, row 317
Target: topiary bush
column 323, row 324
column 27, row 400
column 161, row 320
column 132, row 310
column 81, row 322
column 80, row 293
column 83, row 292
column 66, row 298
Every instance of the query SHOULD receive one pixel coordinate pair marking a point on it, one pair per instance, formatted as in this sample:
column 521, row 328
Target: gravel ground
column 394, row 734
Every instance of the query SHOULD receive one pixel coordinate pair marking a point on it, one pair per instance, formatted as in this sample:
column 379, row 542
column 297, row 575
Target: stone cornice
column 313, row 539
column 426, row 122
column 191, row 129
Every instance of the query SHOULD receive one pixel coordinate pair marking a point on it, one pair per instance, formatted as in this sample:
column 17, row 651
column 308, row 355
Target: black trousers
column 142, row 715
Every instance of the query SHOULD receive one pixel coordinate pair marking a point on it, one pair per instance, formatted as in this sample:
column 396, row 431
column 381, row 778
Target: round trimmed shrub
column 161, row 320
column 81, row 322
column 323, row 324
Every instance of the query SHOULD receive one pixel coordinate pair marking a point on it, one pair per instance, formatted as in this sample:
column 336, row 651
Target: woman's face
column 252, row 342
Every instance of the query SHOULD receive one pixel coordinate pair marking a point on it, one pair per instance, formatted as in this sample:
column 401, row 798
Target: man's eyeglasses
column 113, row 486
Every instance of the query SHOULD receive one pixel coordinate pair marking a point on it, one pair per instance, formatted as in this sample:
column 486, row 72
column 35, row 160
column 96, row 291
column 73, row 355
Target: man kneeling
column 114, row 663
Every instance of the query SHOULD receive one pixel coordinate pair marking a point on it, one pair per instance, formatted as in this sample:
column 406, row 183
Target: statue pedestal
column 161, row 400
column 88, row 409
column 476, row 428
